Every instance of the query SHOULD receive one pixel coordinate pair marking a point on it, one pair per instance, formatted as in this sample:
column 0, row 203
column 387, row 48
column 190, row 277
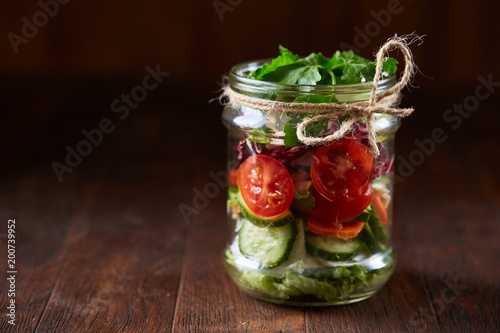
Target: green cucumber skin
column 328, row 255
column 263, row 223
column 373, row 233
column 287, row 247
column 377, row 227
column 369, row 238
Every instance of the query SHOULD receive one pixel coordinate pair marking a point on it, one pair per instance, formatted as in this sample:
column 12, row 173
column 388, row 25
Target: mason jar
column 310, row 225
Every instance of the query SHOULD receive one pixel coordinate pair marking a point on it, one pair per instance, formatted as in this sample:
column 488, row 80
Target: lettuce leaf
column 328, row 283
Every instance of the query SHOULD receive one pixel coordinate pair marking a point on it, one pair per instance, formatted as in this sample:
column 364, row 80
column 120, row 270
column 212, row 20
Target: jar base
column 319, row 287
column 305, row 303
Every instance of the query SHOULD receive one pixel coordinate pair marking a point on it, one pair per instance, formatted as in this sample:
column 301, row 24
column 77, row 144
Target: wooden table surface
column 107, row 250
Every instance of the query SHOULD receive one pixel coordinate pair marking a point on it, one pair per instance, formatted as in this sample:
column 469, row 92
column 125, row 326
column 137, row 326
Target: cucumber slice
column 373, row 233
column 276, row 221
column 369, row 238
column 377, row 227
column 268, row 246
column 332, row 248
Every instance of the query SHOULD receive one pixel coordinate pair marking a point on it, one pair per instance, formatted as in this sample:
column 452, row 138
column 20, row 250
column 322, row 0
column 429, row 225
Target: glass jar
column 318, row 248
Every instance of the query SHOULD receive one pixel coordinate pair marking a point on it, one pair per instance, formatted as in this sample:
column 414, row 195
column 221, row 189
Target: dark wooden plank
column 463, row 266
column 123, row 269
column 45, row 212
column 208, row 300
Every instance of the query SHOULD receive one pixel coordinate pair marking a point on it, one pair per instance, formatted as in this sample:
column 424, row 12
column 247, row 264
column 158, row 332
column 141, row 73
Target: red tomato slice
column 333, row 229
column 340, row 211
column 342, row 170
column 265, row 185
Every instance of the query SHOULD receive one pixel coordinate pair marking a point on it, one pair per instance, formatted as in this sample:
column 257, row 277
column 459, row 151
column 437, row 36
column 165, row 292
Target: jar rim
column 275, row 91
column 239, row 81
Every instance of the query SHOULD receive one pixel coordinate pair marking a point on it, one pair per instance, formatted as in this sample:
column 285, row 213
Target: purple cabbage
column 302, row 155
column 288, row 156
column 383, row 164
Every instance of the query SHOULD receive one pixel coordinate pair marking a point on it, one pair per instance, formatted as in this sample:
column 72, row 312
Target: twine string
column 381, row 104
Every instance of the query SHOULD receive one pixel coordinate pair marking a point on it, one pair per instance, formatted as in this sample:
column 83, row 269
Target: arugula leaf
column 285, row 52
column 310, row 76
column 286, row 58
column 342, row 68
column 297, row 73
column 333, row 63
column 357, row 69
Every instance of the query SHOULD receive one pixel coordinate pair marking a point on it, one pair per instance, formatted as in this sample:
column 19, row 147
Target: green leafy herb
column 389, row 66
column 284, row 59
column 342, row 68
column 290, row 129
column 328, row 283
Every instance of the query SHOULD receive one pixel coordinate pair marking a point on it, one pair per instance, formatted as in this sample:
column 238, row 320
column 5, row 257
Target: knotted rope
column 377, row 103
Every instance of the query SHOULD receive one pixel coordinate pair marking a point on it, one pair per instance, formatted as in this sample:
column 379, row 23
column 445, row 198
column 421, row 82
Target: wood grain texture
column 123, row 263
column 45, row 214
column 107, row 250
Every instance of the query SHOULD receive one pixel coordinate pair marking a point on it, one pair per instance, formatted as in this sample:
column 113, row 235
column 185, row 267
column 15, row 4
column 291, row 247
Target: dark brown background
column 108, row 250
column 191, row 41
column 90, row 53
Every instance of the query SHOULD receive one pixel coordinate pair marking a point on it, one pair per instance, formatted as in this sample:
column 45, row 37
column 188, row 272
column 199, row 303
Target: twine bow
column 376, row 104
